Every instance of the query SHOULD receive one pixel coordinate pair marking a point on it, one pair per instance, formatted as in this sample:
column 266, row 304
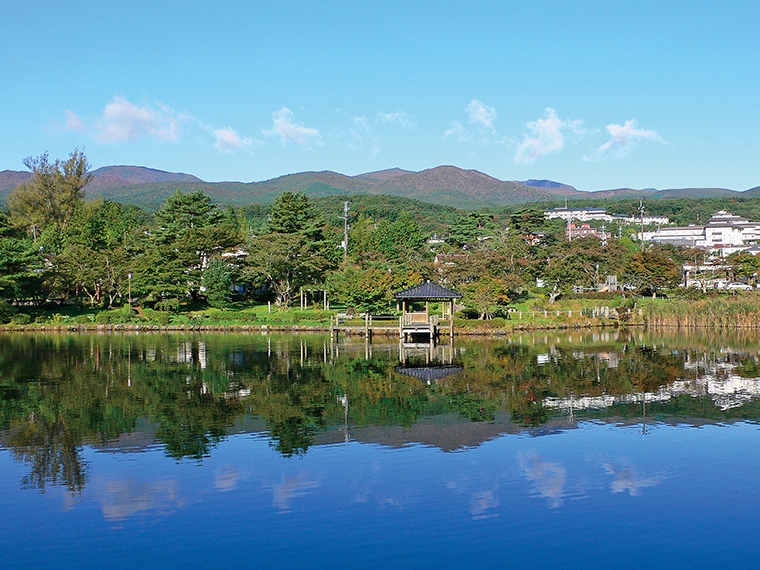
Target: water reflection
column 60, row 394
column 292, row 487
column 627, row 478
column 547, row 478
column 124, row 498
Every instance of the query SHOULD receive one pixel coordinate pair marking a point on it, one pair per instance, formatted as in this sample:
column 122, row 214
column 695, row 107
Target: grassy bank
column 530, row 315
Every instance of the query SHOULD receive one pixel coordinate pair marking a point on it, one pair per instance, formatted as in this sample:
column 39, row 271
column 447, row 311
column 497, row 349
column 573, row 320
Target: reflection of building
column 429, row 374
column 719, row 382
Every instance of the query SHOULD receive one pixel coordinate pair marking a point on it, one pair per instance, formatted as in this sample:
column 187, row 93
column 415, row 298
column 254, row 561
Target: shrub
column 111, row 316
column 221, row 316
column 162, row 319
column 159, row 317
column 83, row 319
column 21, row 319
column 103, row 318
column 169, row 305
column 466, row 314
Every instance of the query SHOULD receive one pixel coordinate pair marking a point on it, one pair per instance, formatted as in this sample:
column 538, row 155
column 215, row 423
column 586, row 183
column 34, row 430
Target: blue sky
column 594, row 94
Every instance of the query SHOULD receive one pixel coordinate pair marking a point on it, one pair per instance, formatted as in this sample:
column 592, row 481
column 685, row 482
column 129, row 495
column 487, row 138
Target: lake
column 610, row 449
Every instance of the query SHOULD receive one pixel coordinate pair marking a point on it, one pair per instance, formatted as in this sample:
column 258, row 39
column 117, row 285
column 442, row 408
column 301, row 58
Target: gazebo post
column 451, row 319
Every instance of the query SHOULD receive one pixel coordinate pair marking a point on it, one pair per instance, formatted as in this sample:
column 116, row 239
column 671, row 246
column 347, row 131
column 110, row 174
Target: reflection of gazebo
column 429, row 374
column 424, row 323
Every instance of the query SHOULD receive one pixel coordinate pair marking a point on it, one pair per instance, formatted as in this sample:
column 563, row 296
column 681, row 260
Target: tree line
column 57, row 247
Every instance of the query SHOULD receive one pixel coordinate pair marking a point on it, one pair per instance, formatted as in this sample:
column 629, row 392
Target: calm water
column 611, row 450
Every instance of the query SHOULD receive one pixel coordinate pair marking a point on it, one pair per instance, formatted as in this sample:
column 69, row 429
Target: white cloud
column 361, row 136
column 399, row 118
column 361, row 123
column 458, row 131
column 74, row 123
column 125, row 121
column 548, row 136
column 481, row 113
column 622, row 139
column 290, row 132
column 484, row 132
column 227, row 140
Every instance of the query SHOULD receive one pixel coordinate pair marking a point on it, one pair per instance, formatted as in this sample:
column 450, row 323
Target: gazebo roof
column 428, row 291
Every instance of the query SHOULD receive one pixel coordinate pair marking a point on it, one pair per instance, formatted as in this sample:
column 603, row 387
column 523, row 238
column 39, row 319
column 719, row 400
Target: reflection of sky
column 290, row 488
column 367, row 506
column 123, row 499
column 626, row 478
column 227, row 478
column 548, row 478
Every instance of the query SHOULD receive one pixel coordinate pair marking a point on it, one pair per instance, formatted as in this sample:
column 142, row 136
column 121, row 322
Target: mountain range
column 445, row 185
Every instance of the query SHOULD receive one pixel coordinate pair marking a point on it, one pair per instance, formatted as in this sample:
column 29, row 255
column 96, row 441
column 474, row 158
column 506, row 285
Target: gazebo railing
column 420, row 319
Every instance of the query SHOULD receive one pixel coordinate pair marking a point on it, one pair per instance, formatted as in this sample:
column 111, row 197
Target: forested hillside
column 443, row 185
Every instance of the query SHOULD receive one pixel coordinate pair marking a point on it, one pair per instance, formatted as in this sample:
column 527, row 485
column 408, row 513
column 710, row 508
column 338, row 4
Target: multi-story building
column 725, row 233
column 589, row 214
column 578, row 214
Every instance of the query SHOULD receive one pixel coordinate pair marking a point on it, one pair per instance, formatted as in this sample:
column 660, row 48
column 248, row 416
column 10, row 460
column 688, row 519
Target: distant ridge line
column 445, row 185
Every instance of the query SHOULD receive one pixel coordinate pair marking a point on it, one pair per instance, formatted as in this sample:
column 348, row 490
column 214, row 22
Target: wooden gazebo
column 412, row 323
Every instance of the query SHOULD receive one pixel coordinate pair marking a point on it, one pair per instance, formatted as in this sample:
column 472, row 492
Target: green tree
column 20, row 264
column 583, row 263
column 650, row 270
column 527, row 223
column 369, row 288
column 51, row 196
column 187, row 232
column 290, row 214
column 744, row 265
column 217, row 279
column 487, row 295
column 293, row 253
column 94, row 256
column 470, row 228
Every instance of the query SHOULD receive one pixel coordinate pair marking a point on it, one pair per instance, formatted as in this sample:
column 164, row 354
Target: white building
column 579, row 214
column 725, row 233
column 588, row 214
column 647, row 221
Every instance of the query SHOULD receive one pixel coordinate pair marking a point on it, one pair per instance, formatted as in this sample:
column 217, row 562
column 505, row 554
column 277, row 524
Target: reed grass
column 735, row 312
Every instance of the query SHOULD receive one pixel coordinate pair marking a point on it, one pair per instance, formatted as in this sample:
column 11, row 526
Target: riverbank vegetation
column 68, row 261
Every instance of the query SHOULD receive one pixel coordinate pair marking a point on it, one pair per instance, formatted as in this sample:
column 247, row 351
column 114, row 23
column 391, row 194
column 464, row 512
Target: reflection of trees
column 51, row 450
column 81, row 389
column 377, row 396
column 191, row 418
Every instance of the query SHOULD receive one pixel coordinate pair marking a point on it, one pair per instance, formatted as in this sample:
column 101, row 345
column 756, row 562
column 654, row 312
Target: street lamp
column 129, row 278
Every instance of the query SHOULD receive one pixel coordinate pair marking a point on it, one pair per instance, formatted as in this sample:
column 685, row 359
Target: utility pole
column 344, row 217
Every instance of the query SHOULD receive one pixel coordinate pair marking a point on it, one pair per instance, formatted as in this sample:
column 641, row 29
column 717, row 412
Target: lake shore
column 484, row 330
